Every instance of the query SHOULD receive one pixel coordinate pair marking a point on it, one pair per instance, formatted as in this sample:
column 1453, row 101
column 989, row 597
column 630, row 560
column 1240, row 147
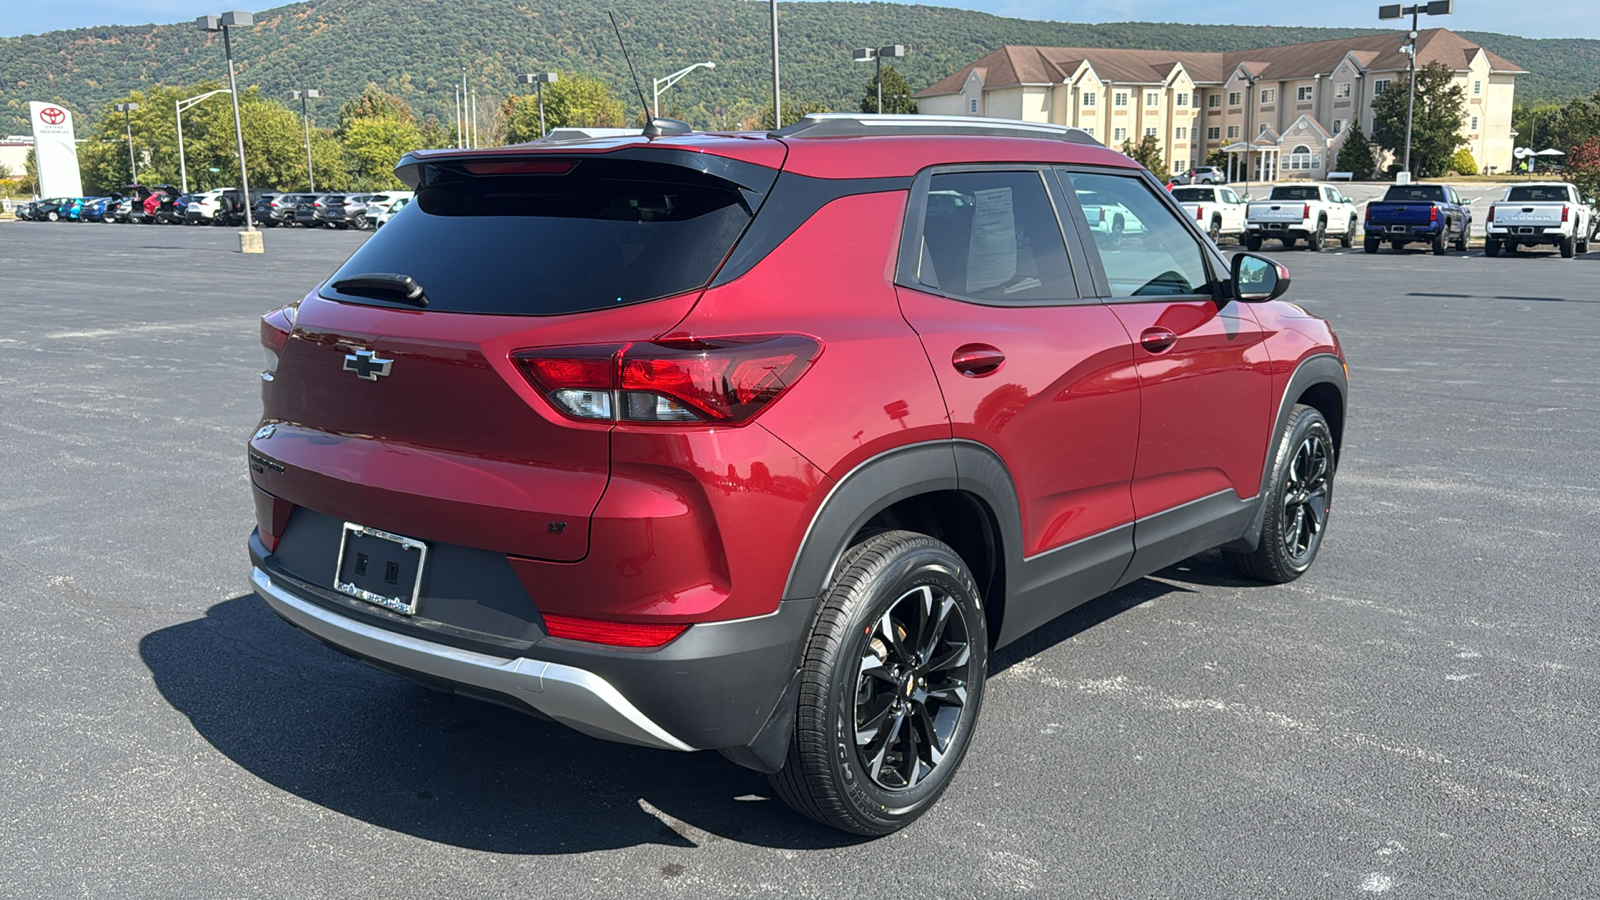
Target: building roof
column 1018, row 65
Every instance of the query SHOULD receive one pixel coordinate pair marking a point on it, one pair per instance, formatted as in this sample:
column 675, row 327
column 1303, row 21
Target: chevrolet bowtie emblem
column 367, row 365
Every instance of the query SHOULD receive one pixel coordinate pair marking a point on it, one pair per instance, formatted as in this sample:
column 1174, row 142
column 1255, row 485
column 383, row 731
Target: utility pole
column 127, row 110
column 250, row 238
column 1395, row 11
column 178, row 108
column 777, row 107
column 875, row 56
column 657, row 85
column 539, row 80
column 305, row 117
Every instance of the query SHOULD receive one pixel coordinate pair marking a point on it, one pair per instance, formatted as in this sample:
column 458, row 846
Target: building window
column 1268, row 95
column 1152, row 98
column 972, row 106
column 1380, row 85
column 1182, row 134
column 1090, row 98
column 1120, row 98
column 1303, row 93
column 1341, row 91
column 1300, row 158
column 1214, row 101
column 1233, row 98
column 1119, row 134
column 1183, row 100
column 1179, row 167
column 1338, row 125
column 1150, row 132
column 1474, row 125
column 1264, row 127
column 1233, row 132
column 1477, row 88
column 1089, row 130
column 1213, row 133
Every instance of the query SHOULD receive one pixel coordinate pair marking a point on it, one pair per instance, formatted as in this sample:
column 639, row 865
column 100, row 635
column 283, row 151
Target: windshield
column 1538, row 193
column 579, row 235
column 1194, row 195
column 1295, row 193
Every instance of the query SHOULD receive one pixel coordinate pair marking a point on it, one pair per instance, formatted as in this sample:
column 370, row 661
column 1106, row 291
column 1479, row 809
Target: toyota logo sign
column 52, row 115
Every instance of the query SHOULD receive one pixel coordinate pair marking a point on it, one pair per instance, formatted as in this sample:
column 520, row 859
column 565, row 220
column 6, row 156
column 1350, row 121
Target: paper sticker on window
column 992, row 252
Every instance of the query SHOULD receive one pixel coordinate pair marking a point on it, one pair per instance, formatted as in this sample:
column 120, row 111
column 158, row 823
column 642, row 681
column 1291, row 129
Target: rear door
column 1032, row 365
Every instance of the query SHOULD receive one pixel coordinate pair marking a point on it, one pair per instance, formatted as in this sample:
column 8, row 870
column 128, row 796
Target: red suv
column 762, row 443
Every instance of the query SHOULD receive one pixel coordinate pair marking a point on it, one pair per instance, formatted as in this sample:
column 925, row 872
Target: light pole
column 657, row 85
column 249, row 239
column 178, row 108
column 539, row 80
column 868, row 54
column 305, row 117
column 1395, row 11
column 127, row 123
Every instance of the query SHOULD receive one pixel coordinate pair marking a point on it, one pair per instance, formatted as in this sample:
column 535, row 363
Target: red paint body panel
column 1062, row 411
column 1206, row 402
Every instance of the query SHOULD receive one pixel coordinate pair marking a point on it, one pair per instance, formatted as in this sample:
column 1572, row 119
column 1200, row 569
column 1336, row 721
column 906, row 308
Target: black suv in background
column 311, row 210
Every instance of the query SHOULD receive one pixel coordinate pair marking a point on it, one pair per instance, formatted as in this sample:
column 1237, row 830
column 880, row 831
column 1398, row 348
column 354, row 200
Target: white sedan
column 1217, row 211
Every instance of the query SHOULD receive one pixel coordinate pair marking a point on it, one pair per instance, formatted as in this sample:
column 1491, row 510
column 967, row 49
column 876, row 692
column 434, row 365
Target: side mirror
column 1467, row 201
column 1257, row 279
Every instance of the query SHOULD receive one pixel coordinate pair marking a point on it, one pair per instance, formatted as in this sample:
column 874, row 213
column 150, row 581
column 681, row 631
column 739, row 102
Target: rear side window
column 1145, row 250
column 994, row 236
column 554, row 236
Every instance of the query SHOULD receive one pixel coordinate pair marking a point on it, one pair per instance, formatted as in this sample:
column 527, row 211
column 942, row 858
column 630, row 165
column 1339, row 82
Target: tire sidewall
column 1306, row 422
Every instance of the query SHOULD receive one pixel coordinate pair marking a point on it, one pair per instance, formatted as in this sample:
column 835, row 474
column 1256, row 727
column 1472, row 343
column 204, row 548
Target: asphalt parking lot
column 1416, row 717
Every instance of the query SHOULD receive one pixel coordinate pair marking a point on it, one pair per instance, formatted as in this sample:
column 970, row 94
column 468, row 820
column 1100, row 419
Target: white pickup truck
column 1538, row 213
column 1294, row 211
column 1217, row 211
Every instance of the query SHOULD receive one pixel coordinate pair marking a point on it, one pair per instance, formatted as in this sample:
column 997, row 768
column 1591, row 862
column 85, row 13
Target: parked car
column 1217, row 211
column 202, row 210
column 93, row 209
column 690, row 479
column 274, row 208
column 394, row 207
column 1305, row 211
column 172, row 206
column 311, row 211
column 1202, row 175
column 1552, row 213
column 1433, row 214
column 24, row 211
column 378, row 204
column 51, row 209
column 344, row 211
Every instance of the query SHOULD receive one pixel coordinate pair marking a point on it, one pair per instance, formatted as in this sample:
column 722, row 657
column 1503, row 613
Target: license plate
column 380, row 568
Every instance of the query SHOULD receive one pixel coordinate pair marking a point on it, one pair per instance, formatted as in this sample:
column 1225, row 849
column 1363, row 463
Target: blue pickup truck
column 1432, row 214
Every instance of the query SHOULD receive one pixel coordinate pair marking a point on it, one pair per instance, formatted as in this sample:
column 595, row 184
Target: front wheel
column 1298, row 500
column 890, row 689
column 1461, row 239
column 53, row 216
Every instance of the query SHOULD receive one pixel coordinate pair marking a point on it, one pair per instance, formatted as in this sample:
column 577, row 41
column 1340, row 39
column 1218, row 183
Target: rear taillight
column 1433, row 214
column 1565, row 211
column 1306, row 213
column 725, row 380
column 617, row 634
column 275, row 328
column 317, row 204
column 1369, row 213
column 1199, row 213
column 1491, row 214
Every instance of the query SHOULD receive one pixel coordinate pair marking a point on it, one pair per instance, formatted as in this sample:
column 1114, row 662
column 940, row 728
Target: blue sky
column 1545, row 18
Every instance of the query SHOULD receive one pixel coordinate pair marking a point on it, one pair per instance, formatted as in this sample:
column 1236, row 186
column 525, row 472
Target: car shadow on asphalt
column 377, row 748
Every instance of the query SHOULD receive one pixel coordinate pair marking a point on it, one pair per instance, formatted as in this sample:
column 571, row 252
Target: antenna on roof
column 655, row 127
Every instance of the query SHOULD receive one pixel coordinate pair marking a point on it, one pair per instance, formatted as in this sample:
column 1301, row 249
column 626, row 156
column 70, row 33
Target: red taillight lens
column 1491, row 214
column 522, row 167
column 1199, row 213
column 1565, row 211
column 617, row 634
column 1369, row 214
column 1433, row 214
column 723, row 380
column 1306, row 213
column 275, row 329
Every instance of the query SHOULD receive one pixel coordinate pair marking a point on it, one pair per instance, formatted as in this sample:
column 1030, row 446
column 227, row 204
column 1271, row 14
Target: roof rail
column 861, row 124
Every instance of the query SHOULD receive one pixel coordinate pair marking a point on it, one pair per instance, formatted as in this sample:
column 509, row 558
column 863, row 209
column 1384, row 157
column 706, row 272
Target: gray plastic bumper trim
column 574, row 697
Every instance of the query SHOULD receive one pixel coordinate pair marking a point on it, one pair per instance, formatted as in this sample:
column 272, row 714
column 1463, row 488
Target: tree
column 1436, row 124
column 1462, row 162
column 30, row 173
column 374, row 103
column 581, row 101
column 794, row 110
column 520, row 114
column 1355, row 156
column 1583, row 170
column 1147, row 153
column 373, row 145
column 896, row 93
column 1218, row 159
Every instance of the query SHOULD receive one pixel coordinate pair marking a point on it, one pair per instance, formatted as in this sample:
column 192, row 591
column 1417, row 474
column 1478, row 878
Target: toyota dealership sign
column 56, row 152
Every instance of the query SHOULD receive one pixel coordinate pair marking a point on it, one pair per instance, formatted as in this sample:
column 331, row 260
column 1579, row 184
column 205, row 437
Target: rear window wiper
column 383, row 286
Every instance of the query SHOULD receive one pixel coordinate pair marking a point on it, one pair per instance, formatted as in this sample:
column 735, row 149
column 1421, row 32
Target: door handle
column 977, row 360
column 1157, row 340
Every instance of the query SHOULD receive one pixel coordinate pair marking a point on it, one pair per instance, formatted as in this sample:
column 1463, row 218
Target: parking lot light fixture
column 1396, row 11
column 539, row 80
column 305, row 119
column 249, row 239
column 127, row 123
column 178, row 108
column 875, row 56
column 660, row 84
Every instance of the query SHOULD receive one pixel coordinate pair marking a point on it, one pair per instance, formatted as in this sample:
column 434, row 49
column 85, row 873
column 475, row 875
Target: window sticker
column 992, row 252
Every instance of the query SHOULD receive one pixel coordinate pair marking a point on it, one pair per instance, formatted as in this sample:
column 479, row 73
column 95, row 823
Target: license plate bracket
column 379, row 567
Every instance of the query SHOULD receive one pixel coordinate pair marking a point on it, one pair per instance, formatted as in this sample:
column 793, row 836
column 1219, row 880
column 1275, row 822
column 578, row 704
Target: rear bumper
column 1528, row 234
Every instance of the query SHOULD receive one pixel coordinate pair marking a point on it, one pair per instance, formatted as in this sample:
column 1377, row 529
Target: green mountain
column 415, row 48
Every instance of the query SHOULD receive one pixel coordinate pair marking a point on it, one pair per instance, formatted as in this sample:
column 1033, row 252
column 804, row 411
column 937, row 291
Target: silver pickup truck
column 1539, row 213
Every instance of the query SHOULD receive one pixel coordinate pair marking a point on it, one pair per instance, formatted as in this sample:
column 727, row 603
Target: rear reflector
column 616, row 634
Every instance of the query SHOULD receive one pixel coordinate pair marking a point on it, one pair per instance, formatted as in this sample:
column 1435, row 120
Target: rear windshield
column 1535, row 193
column 1193, row 194
column 1295, row 193
column 1416, row 193
column 595, row 233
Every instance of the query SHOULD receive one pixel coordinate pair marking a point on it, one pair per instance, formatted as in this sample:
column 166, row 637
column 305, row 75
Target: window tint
column 1415, row 193
column 1193, row 194
column 993, row 236
column 1294, row 193
column 1145, row 250
column 1548, row 193
column 598, row 234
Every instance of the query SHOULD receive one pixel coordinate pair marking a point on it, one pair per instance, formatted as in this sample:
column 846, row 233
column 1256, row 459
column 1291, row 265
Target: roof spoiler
column 860, row 125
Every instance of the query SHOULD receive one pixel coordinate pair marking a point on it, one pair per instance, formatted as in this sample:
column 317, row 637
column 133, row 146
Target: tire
column 1461, row 239
column 1289, row 242
column 1318, row 238
column 1252, row 243
column 1300, row 499
column 1370, row 245
column 1439, row 246
column 900, row 623
column 1348, row 239
column 53, row 216
column 1568, row 245
column 1511, row 247
column 1215, row 231
column 1583, row 245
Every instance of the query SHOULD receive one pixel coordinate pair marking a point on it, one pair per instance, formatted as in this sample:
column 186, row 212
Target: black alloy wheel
column 891, row 686
column 1298, row 502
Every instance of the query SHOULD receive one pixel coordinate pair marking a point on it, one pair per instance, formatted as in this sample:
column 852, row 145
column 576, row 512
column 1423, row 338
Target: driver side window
column 1145, row 250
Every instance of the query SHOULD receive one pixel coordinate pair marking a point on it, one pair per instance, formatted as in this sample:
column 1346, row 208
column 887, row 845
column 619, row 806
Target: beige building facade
column 1293, row 104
